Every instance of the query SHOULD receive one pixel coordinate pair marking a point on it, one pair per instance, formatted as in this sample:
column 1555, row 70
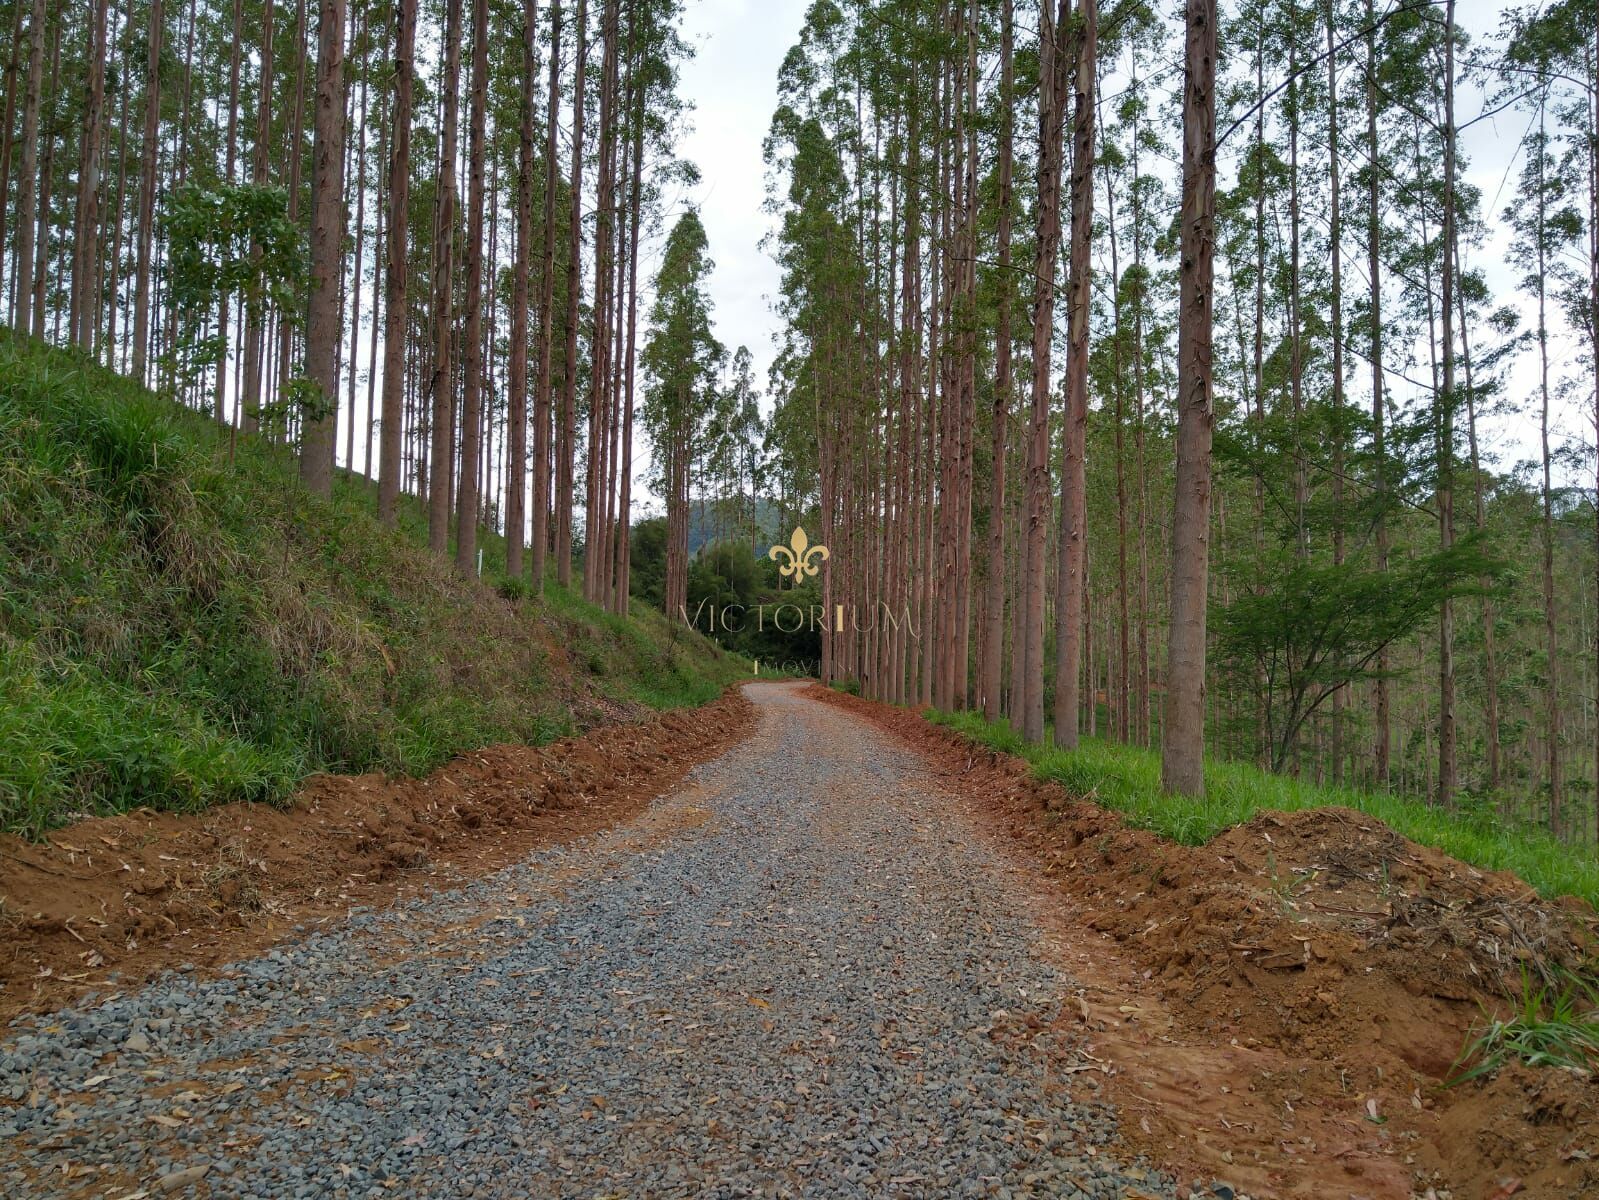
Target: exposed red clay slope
column 145, row 891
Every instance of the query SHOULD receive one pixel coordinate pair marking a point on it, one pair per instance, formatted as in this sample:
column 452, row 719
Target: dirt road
column 803, row 972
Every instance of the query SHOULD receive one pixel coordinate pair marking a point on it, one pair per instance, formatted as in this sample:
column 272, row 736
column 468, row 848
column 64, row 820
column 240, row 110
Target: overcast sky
column 732, row 83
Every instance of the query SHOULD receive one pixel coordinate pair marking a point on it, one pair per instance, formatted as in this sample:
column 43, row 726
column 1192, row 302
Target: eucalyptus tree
column 680, row 360
column 396, row 268
column 324, row 318
column 1070, row 579
column 1183, row 732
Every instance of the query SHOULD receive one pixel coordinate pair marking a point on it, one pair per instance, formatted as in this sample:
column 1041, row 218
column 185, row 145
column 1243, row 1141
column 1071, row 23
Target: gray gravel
column 797, row 975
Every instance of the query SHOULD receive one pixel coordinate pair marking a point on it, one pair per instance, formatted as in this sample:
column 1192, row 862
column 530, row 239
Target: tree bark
column 1051, row 129
column 285, row 325
column 390, row 434
column 323, row 314
column 354, row 289
column 466, row 496
column 623, row 544
column 29, row 183
column 1335, row 250
column 1447, row 766
column 1183, row 734
column 1381, row 749
column 1551, row 685
column 994, row 593
column 1070, row 580
column 147, row 181
column 86, row 227
column 441, row 390
column 254, row 313
column 542, row 407
column 516, row 383
column 574, row 285
column 600, row 341
column 7, row 138
column 46, row 175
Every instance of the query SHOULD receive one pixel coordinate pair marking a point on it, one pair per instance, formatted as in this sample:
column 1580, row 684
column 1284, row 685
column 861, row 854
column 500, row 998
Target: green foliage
column 1550, row 1025
column 643, row 658
column 179, row 631
column 1127, row 780
column 680, row 355
column 77, row 741
column 1318, row 626
column 228, row 240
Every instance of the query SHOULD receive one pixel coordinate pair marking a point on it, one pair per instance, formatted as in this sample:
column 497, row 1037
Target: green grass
column 1127, row 779
column 181, row 624
column 1549, row 1025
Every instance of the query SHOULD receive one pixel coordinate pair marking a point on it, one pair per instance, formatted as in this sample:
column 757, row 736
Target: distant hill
column 705, row 525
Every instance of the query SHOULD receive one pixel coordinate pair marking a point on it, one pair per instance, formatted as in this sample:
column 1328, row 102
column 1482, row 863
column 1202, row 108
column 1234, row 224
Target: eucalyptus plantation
column 1228, row 414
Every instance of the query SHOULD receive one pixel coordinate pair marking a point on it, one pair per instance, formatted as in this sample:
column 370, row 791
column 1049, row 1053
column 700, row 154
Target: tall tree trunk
column 113, row 285
column 1071, row 575
column 1123, row 706
column 1447, row 767
column 466, row 501
column 323, row 314
column 46, row 175
column 574, row 286
column 994, row 593
column 379, row 234
column 1335, row 250
column 1547, row 524
column 224, row 323
column 86, row 230
column 542, row 406
column 27, row 178
column 441, row 391
column 1593, row 351
column 1051, row 129
column 285, row 325
column 1183, row 732
column 360, row 237
column 516, row 384
column 600, row 335
column 7, row 140
column 395, row 310
column 149, row 157
column 619, row 603
column 1381, row 749
column 1490, row 666
column 260, row 161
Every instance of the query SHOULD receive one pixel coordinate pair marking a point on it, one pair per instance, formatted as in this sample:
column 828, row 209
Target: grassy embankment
column 1127, row 779
column 179, row 630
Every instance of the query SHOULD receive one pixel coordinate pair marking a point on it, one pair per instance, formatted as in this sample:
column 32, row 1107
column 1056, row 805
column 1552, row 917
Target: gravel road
column 798, row 975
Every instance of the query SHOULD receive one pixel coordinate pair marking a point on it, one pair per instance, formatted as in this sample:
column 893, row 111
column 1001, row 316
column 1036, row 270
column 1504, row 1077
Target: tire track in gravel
column 797, row 975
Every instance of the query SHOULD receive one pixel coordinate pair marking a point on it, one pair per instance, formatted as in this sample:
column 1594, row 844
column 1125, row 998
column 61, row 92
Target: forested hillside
column 1176, row 372
column 1179, row 378
column 183, row 625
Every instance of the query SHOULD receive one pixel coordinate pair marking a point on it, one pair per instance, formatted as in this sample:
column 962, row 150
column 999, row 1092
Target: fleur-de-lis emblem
column 802, row 558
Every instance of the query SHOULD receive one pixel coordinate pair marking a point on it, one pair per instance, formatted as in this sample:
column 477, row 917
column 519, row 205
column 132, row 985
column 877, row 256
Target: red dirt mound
column 144, row 891
column 1282, row 1006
